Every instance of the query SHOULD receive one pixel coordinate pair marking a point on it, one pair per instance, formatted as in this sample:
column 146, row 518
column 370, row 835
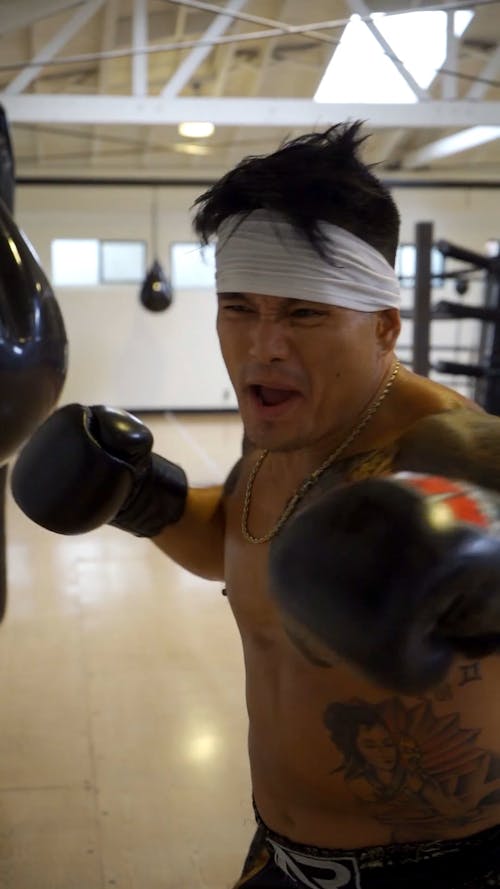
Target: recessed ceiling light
column 196, row 130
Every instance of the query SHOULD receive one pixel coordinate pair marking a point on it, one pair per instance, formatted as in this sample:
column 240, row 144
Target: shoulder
column 459, row 442
column 436, row 430
column 417, row 397
column 429, row 415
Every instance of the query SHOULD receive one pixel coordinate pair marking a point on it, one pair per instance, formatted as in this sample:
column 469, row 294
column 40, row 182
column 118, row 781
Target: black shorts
column 274, row 862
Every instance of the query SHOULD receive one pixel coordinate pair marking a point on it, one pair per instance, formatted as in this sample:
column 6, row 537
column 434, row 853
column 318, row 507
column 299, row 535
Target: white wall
column 121, row 354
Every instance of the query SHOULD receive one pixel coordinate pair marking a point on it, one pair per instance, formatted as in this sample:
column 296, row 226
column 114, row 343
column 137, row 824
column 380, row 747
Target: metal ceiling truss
column 472, row 114
column 156, row 111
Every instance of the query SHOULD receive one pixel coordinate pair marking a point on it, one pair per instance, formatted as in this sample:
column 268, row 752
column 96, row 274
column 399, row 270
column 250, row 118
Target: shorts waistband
column 392, row 855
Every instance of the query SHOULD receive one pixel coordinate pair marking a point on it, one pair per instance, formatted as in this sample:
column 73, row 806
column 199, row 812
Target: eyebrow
column 227, row 295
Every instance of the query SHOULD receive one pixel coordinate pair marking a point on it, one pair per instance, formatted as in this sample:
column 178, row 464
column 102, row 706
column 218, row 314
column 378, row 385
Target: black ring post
column 492, row 382
column 422, row 299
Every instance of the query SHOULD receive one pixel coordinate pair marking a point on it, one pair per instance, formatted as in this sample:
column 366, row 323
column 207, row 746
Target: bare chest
column 247, row 564
column 329, row 750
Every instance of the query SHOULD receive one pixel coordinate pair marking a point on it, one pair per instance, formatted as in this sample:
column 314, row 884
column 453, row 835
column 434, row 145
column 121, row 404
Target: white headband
column 263, row 253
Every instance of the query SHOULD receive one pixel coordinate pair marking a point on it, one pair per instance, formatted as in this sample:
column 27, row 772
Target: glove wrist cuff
column 157, row 499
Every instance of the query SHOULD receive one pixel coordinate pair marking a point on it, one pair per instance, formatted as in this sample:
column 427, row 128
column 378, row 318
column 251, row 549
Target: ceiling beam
column 195, row 58
column 282, row 27
column 47, row 52
column 454, row 144
column 271, row 112
column 22, row 13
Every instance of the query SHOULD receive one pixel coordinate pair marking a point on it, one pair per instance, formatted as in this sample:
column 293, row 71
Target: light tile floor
column 123, row 730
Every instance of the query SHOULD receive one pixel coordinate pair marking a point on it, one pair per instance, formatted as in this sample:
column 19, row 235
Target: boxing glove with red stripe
column 397, row 575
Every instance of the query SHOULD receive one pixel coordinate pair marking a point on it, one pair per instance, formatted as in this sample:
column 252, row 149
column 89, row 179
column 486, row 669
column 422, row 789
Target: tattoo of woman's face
column 418, row 772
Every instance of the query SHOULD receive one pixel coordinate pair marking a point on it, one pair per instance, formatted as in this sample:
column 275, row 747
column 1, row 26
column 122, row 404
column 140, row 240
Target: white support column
column 108, row 40
column 75, row 23
column 149, row 132
column 197, row 56
column 360, row 7
column 449, row 85
column 139, row 44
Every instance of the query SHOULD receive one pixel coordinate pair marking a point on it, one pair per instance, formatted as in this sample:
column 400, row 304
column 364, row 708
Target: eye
column 307, row 313
column 236, row 308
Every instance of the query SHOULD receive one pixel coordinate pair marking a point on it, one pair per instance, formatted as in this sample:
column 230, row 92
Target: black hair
column 315, row 177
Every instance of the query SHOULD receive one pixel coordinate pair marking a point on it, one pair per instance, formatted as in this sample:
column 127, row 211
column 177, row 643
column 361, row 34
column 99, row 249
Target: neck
column 313, row 477
column 298, row 462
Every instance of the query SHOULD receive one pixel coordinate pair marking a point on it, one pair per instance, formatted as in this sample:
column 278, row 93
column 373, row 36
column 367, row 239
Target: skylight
column 360, row 71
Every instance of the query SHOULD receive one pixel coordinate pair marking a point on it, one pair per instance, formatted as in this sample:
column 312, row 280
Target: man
column 354, row 784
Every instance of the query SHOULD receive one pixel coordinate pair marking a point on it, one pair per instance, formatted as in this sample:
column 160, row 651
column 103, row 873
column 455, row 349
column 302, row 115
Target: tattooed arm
column 462, row 443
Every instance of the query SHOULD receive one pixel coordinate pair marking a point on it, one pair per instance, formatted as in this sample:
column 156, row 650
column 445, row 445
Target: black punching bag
column 33, row 345
column 156, row 292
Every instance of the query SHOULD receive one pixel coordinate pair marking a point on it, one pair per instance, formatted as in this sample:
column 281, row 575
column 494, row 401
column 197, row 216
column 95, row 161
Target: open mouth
column 272, row 402
column 267, row 396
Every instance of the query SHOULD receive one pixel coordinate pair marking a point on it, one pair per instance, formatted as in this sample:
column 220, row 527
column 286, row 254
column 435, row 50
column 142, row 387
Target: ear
column 388, row 327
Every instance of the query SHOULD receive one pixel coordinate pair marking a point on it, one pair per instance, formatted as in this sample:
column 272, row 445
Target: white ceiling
column 96, row 89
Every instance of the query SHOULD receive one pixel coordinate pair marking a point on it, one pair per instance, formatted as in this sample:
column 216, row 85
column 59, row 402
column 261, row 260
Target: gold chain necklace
column 313, row 477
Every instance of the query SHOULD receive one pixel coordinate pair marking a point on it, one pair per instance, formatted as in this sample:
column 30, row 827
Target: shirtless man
column 367, row 771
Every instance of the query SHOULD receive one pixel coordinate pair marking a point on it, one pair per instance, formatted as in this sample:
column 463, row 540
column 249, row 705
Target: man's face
column 301, row 370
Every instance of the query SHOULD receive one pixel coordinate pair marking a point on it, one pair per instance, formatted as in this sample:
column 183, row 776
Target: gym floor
column 123, row 745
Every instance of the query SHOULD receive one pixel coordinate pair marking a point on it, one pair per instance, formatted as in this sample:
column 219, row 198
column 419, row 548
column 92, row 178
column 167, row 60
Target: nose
column 269, row 341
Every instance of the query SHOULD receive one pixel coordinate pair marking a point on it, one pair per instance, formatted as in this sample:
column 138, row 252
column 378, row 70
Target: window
column 406, row 257
column 85, row 262
column 75, row 261
column 123, row 262
column 192, row 266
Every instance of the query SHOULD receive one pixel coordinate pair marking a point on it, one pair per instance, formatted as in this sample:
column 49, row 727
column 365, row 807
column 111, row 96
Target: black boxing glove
column 396, row 575
column 88, row 466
